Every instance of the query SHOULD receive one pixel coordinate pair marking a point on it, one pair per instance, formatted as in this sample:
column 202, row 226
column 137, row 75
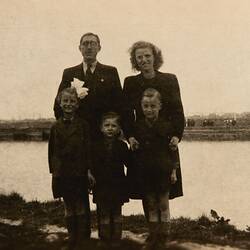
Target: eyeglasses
column 91, row 43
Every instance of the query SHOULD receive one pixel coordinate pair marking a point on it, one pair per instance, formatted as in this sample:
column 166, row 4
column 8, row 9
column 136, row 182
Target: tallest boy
column 102, row 81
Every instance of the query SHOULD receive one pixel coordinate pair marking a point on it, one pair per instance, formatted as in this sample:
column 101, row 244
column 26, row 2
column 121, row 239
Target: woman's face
column 145, row 59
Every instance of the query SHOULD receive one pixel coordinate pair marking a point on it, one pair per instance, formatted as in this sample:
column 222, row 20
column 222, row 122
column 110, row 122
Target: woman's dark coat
column 172, row 109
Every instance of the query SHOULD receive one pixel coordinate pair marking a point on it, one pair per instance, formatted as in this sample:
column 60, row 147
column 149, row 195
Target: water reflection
column 215, row 176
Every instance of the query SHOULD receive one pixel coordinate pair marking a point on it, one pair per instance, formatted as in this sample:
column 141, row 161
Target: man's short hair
column 91, row 34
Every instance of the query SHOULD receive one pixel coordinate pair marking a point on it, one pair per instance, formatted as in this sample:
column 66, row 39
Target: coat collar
column 98, row 73
column 160, row 126
column 67, row 130
column 141, row 79
column 79, row 74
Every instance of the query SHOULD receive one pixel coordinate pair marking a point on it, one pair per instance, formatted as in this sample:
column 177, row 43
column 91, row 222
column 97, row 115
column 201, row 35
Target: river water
column 216, row 175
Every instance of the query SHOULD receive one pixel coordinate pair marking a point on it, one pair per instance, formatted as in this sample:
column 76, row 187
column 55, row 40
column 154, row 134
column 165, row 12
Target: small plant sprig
column 222, row 226
column 218, row 219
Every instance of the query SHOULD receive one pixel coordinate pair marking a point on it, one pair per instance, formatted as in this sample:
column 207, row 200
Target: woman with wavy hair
column 146, row 58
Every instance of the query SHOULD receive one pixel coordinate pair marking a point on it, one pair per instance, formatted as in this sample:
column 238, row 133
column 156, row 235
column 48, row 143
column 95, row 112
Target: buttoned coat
column 104, row 95
column 168, row 86
column 153, row 160
column 69, row 149
column 172, row 109
column 109, row 160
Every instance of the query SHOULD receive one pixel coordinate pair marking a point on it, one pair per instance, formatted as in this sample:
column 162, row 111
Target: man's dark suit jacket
column 105, row 93
column 172, row 109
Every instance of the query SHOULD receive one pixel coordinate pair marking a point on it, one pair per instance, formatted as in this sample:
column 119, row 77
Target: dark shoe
column 71, row 225
column 162, row 235
column 83, row 226
column 102, row 244
column 105, row 232
column 148, row 246
column 83, row 231
column 116, row 244
column 116, row 233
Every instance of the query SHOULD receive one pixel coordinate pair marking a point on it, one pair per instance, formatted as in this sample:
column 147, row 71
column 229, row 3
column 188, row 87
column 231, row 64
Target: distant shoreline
column 38, row 130
column 217, row 134
column 199, row 134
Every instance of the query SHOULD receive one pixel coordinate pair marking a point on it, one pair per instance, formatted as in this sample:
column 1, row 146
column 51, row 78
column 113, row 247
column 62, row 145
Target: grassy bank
column 31, row 217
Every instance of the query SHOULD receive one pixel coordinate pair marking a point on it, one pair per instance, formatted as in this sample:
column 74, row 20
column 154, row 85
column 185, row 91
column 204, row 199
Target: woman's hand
column 174, row 143
column 173, row 176
column 91, row 179
column 134, row 144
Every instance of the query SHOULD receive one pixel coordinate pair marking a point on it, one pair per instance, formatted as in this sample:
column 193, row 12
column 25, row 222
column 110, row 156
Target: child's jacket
column 108, row 169
column 69, row 148
column 154, row 161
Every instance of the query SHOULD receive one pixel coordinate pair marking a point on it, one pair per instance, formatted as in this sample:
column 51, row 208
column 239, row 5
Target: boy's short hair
column 111, row 115
column 69, row 90
column 151, row 92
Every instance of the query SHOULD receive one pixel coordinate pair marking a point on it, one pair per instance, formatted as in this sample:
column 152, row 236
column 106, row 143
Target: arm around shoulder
column 51, row 148
column 65, row 82
column 177, row 113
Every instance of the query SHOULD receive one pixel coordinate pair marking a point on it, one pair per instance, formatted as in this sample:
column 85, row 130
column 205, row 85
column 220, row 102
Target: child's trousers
column 156, row 207
column 77, row 217
column 109, row 221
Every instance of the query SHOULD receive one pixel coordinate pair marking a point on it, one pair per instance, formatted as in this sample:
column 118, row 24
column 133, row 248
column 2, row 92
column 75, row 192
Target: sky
column 205, row 43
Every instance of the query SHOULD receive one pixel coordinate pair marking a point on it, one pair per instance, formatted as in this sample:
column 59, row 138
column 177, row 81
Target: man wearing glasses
column 98, row 85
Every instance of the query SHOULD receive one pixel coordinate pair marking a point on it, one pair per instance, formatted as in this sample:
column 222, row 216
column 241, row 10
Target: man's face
column 110, row 127
column 69, row 103
column 145, row 59
column 151, row 107
column 89, row 48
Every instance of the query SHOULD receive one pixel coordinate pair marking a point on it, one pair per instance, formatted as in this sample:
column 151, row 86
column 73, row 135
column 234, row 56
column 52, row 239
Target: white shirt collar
column 92, row 67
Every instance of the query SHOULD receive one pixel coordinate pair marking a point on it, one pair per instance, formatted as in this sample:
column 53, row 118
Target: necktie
column 90, row 82
column 88, row 73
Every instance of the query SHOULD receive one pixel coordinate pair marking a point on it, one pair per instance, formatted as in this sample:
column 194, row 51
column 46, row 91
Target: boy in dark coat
column 154, row 166
column 69, row 164
column 110, row 154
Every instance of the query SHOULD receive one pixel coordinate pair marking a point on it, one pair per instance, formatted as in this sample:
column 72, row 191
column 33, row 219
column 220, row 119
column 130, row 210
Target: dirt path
column 53, row 234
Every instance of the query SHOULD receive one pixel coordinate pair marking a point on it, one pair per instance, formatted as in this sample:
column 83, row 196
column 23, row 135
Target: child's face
column 69, row 103
column 151, row 107
column 110, row 127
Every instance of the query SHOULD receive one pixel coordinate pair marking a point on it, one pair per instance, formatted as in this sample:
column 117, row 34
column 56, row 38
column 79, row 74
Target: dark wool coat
column 108, row 164
column 172, row 109
column 168, row 87
column 105, row 93
column 153, row 160
column 69, row 156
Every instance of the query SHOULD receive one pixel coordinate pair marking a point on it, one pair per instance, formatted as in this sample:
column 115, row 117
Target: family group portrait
column 125, row 125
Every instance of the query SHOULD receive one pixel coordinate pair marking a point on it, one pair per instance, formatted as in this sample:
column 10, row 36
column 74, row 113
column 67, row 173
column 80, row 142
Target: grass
column 214, row 229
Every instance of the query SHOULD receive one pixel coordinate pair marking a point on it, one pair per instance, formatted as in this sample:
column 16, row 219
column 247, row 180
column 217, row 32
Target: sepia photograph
column 125, row 125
